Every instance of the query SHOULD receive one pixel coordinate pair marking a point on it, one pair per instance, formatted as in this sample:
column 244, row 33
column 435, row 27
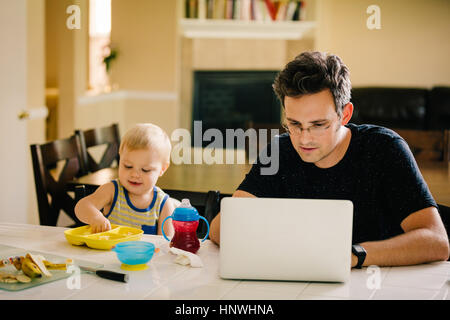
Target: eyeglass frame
column 300, row 129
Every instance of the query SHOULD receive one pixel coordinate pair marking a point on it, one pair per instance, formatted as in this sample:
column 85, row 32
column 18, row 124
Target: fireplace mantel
column 223, row 29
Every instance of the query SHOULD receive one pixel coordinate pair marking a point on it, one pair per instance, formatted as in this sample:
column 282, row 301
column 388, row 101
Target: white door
column 13, row 99
column 21, row 73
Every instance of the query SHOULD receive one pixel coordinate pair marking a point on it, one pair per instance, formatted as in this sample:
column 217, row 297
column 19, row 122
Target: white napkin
column 186, row 258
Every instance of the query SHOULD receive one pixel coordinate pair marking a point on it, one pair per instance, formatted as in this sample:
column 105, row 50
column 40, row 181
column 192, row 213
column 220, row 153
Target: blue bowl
column 134, row 252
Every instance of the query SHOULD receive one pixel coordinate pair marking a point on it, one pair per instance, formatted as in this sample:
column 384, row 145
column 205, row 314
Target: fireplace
column 234, row 99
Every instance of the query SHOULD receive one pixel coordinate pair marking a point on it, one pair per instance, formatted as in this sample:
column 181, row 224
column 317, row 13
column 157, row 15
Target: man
column 322, row 156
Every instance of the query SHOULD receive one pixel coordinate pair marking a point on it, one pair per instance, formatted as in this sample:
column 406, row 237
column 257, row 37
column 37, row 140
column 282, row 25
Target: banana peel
column 37, row 259
column 54, row 266
column 30, row 269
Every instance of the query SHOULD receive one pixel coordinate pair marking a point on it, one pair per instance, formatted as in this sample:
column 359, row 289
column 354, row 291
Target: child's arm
column 167, row 210
column 88, row 208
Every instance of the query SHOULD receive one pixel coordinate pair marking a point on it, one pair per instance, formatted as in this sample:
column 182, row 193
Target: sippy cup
column 185, row 222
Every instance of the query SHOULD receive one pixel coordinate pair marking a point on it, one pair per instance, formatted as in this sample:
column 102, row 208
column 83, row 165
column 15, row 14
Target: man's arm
column 214, row 229
column 424, row 240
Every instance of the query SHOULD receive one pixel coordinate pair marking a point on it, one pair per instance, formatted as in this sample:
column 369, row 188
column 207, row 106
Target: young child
column 133, row 199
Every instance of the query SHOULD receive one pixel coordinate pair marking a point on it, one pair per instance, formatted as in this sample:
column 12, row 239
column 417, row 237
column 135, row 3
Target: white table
column 166, row 280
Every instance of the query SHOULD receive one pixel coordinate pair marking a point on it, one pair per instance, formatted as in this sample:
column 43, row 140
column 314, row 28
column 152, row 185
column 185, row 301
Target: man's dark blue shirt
column 378, row 174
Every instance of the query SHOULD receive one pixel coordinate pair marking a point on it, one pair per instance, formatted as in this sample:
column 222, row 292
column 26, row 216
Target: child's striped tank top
column 123, row 212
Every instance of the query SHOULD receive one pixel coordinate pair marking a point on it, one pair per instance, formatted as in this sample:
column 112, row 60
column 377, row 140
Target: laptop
column 285, row 239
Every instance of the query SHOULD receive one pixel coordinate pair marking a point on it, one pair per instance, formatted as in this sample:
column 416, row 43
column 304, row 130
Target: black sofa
column 421, row 116
column 402, row 108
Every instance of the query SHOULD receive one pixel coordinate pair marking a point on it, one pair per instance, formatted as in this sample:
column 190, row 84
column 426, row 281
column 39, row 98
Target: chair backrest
column 52, row 193
column 108, row 136
column 427, row 145
column 206, row 203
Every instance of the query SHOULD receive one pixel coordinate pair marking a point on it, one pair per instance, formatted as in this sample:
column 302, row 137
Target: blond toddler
column 133, row 199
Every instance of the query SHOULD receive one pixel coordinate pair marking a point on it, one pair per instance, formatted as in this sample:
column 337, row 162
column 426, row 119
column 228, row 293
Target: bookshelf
column 245, row 19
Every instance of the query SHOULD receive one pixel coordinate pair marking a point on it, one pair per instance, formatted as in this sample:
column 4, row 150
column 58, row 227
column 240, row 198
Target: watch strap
column 360, row 253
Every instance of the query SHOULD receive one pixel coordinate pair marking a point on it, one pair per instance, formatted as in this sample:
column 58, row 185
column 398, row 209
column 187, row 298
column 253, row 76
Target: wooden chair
column 206, row 203
column 52, row 193
column 427, row 145
column 108, row 136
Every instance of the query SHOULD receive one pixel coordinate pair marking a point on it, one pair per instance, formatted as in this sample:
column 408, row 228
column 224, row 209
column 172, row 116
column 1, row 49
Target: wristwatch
column 360, row 253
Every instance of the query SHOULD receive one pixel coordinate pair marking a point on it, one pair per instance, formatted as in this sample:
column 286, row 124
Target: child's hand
column 88, row 209
column 101, row 224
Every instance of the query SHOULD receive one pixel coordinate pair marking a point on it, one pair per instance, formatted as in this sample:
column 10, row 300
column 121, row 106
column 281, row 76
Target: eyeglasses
column 315, row 130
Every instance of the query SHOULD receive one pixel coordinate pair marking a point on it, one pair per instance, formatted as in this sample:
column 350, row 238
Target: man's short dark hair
column 312, row 72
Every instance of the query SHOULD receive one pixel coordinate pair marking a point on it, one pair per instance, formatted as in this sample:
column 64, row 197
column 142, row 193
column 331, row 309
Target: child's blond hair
column 147, row 135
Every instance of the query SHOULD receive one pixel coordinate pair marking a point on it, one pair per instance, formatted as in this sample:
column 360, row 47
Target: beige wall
column 36, row 53
column 52, row 28
column 73, row 66
column 126, row 108
column 145, row 73
column 66, row 59
column 410, row 49
column 238, row 54
column 144, row 33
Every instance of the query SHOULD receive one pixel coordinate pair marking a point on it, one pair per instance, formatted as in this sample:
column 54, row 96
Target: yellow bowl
column 102, row 240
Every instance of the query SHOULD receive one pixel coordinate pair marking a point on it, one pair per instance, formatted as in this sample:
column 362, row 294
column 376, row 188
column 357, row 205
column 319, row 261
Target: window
column 99, row 41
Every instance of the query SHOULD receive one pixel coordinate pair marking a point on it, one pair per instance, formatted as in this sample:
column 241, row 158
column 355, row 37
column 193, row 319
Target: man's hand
column 424, row 240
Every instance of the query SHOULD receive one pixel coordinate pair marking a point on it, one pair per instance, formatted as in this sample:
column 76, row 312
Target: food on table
column 18, row 263
column 32, row 266
column 54, row 266
column 37, row 259
column 30, row 269
column 13, row 278
column 23, row 278
column 8, row 278
column 9, row 261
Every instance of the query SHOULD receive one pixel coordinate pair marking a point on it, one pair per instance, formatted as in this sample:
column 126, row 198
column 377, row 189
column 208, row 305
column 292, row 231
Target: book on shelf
column 246, row 10
column 202, row 11
column 191, row 9
column 270, row 7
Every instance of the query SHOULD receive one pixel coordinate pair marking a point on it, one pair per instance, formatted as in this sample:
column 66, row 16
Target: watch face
column 359, row 250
